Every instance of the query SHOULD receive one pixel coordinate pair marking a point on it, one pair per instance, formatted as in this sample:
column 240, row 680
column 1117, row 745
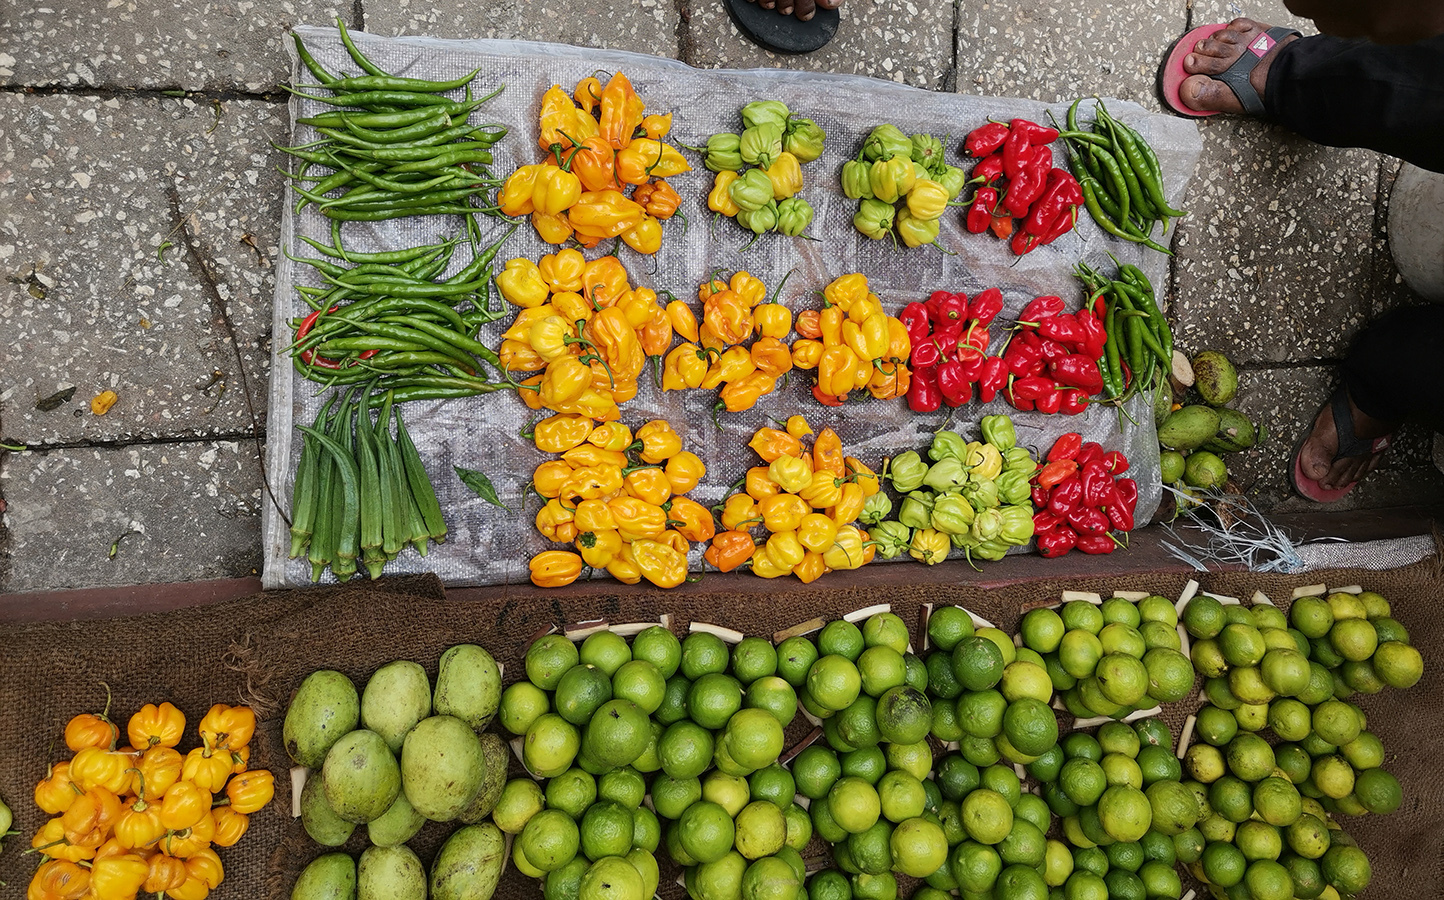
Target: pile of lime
column 1125, row 813
column 1113, row 658
column 1269, row 809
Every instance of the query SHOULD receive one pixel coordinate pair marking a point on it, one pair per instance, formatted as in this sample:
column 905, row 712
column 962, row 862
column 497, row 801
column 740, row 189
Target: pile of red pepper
column 1080, row 498
column 1053, row 358
column 950, row 338
column 1017, row 179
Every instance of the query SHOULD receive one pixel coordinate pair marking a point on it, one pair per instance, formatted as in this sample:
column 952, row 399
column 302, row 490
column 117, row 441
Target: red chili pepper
column 1023, row 189
column 946, row 337
column 1039, row 495
column 1115, row 462
column 1097, row 484
column 1050, row 402
column 1052, row 350
column 1057, row 542
column 1040, row 160
column 1037, row 134
column 1055, row 474
column 1065, row 222
column 1087, row 452
column 925, row 355
column 1016, row 152
column 923, row 395
column 945, row 309
column 977, row 336
column 1095, row 338
column 993, row 378
column 985, row 139
column 980, row 213
column 1066, row 447
column 309, row 357
column 1057, row 194
column 1033, row 387
column 914, row 318
column 1087, row 521
column 1079, row 371
column 1074, row 402
column 1023, row 243
column 1119, row 516
column 972, row 364
column 1045, row 521
column 1095, row 543
column 1019, row 405
column 825, row 399
column 1127, row 490
column 986, row 306
column 953, row 383
column 1041, row 308
column 989, row 170
column 1062, row 328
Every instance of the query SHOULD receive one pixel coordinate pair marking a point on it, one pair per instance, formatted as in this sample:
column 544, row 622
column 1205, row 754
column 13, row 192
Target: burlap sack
column 258, row 649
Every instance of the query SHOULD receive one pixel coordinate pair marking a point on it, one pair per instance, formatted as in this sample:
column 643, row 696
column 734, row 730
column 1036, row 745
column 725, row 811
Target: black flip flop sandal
column 1171, row 73
column 782, row 34
column 1350, row 445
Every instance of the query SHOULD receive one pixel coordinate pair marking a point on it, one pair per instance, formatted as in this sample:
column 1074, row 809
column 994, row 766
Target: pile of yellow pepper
column 584, row 328
column 142, row 817
column 806, row 500
column 852, row 344
column 599, row 144
column 732, row 311
column 617, row 497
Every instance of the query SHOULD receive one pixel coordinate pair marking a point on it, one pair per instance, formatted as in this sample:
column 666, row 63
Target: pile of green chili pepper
column 1121, row 180
column 384, row 319
column 1139, row 349
column 360, row 493
column 400, row 149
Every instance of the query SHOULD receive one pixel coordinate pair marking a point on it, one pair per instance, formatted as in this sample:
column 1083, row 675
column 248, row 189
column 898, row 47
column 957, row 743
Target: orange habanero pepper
column 770, row 443
column 554, row 568
column 771, row 357
column 658, row 198
column 621, row 112
column 730, row 549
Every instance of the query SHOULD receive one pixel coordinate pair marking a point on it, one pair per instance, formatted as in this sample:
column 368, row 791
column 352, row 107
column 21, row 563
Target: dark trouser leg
column 1352, row 93
column 1395, row 369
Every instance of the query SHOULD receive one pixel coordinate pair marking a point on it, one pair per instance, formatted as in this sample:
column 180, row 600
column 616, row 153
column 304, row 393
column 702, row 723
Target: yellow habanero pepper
column 604, row 282
column 554, row 568
column 683, row 320
column 588, row 93
column 929, row 546
column 889, row 380
column 521, row 283
column 639, row 306
column 658, row 445
column 660, row 564
column 771, row 357
column 604, row 214
column 594, row 515
column 562, row 270
column 822, row 491
column 837, row 371
column 593, row 483
column 637, row 519
column 827, row 454
column 829, row 322
column 785, row 550
column 584, row 455
column 90, row 730
column 862, row 372
column 867, row 306
column 162, row 725
column 599, row 548
column 623, row 566
column 555, row 115
column 645, row 237
column 710, row 341
column 560, row 433
column 611, row 436
column 772, row 320
column 139, row 825
column 158, row 769
column 749, row 288
column 572, row 306
column 118, row 877
column 899, row 344
column 598, row 405
column 785, row 173
column 520, row 328
column 759, row 485
column 720, row 199
column 782, row 512
column 205, row 867
column 185, row 845
column 849, row 504
column 230, row 826
column 557, row 522
column 551, row 478
column 732, row 365
column 207, row 769
column 657, row 126
column 58, row 879
column 50, row 841
column 656, row 335
column 744, row 393
column 550, row 337
column 621, row 112
column 867, row 339
column 529, row 390
column 806, row 354
column 817, row 532
column 790, row 473
column 812, row 567
column 54, row 793
column 555, row 191
column 771, row 444
column 184, row 805
column 166, row 873
column 692, row 520
column 90, row 818
column 674, row 539
column 648, row 484
column 565, row 379
column 658, row 198
column 685, row 367
column 250, row 791
column 645, row 159
column 846, row 290
column 685, row 471
column 927, row 200
column 797, row 427
column 862, row 476
column 740, row 513
column 764, row 567
column 96, row 767
column 616, row 342
column 516, row 193
column 728, row 316
column 847, row 550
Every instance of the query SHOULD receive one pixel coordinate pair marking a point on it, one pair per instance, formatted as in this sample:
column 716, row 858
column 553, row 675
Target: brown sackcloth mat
column 259, row 648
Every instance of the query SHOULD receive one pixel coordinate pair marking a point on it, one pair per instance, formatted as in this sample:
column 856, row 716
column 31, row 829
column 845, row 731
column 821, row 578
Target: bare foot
column 1316, row 457
column 803, row 9
column 1213, row 56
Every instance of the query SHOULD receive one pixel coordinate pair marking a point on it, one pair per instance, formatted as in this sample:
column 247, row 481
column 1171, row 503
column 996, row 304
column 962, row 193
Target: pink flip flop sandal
column 1349, row 445
column 1172, row 73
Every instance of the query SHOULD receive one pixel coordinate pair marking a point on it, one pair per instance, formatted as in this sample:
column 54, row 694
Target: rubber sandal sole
column 1310, row 489
column 773, row 31
column 1171, row 74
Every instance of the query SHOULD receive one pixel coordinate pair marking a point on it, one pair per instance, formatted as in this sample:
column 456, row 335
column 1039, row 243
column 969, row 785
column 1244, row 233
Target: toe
column 828, row 4
column 1204, row 64
column 806, row 9
column 784, row 7
column 1206, row 94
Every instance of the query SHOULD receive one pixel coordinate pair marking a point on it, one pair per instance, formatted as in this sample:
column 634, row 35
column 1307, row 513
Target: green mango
column 496, row 755
column 1235, row 433
column 468, row 686
column 396, row 698
column 1188, row 428
column 390, row 873
column 324, row 709
column 319, row 819
column 397, row 825
column 1215, row 378
column 328, row 877
column 442, row 767
column 361, row 777
column 469, row 864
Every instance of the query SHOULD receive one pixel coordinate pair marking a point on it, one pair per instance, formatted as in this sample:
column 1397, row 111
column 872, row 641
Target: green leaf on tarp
column 55, row 400
column 480, row 485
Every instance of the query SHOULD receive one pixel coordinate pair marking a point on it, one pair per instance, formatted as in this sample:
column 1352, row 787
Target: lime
column 1321, row 685
column 881, row 667
column 1117, row 737
column 550, row 745
column 1289, row 719
column 1323, row 652
column 1234, row 613
column 774, row 695
column 606, row 830
column 1057, row 863
column 1398, row 665
column 816, row 768
column 720, row 879
column 1092, row 826
column 1364, row 752
column 1125, row 812
column 1333, row 776
column 1003, row 781
column 1026, row 679
column 1058, row 802
column 646, row 830
column 979, row 751
column 521, row 705
column 572, row 792
column 1215, row 726
column 703, row 654
column 1127, row 856
column 1021, row 882
column 522, row 864
column 612, row 878
column 1062, row 681
column 1214, row 827
column 1080, row 615
column 942, row 683
column 915, row 759
column 946, row 726
column 761, row 829
column 980, row 713
column 548, row 659
column 672, row 838
column 987, row 817
column 1003, row 640
column 1223, row 864
column 639, row 681
column 1024, row 845
column 841, row 638
column 646, row 865
column 605, row 650
column 1188, row 846
column 1080, row 743
column 1307, row 880
column 659, row 647
column 685, row 750
column 1277, row 801
column 774, row 784
column 1125, row 885
column 1317, row 746
column 753, row 658
column 1207, row 658
column 1083, row 885
column 1158, row 635
column 1252, row 716
column 1158, row 847
column 1268, row 880
column 885, row 630
column 1119, row 638
column 1336, row 722
column 706, row 831
column 799, row 826
column 1079, row 653
column 753, row 738
column 521, row 798
column 824, row 825
column 1346, row 869
column 674, row 701
column 771, row 878
column 1048, row 764
column 1119, row 610
column 904, row 715
column 1032, row 808
column 1294, row 761
column 1091, row 860
column 617, row 734
column 956, row 777
column 1247, row 684
column 551, row 839
column 853, row 804
column 794, row 657
column 563, row 883
column 915, row 672
column 1378, row 791
column 918, row 847
column 1312, row 616
column 713, row 698
column 1389, row 629
column 947, row 625
column 1042, row 630
column 1123, row 679
column 1250, row 757
column 829, row 884
column 1157, row 763
column 870, row 851
column 1308, row 836
column 833, row 681
column 1354, row 639
column 1358, row 676
column 1030, row 726
column 902, row 796
column 1346, row 606
column 726, row 765
column 1241, row 645
column 1285, row 672
column 1205, row 763
column 1120, row 769
column 1203, row 617
column 1082, row 781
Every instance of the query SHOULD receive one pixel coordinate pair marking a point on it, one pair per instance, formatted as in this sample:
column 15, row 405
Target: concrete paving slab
column 907, row 41
column 188, row 510
column 212, row 45
column 642, row 26
column 1065, row 49
column 93, row 187
column 1283, row 227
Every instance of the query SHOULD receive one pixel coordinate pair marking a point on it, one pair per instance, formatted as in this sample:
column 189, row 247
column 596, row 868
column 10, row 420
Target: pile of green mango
column 391, row 758
column 1196, row 435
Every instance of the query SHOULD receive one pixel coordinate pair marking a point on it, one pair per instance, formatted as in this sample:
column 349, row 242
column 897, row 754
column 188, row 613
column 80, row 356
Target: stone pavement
column 141, row 207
